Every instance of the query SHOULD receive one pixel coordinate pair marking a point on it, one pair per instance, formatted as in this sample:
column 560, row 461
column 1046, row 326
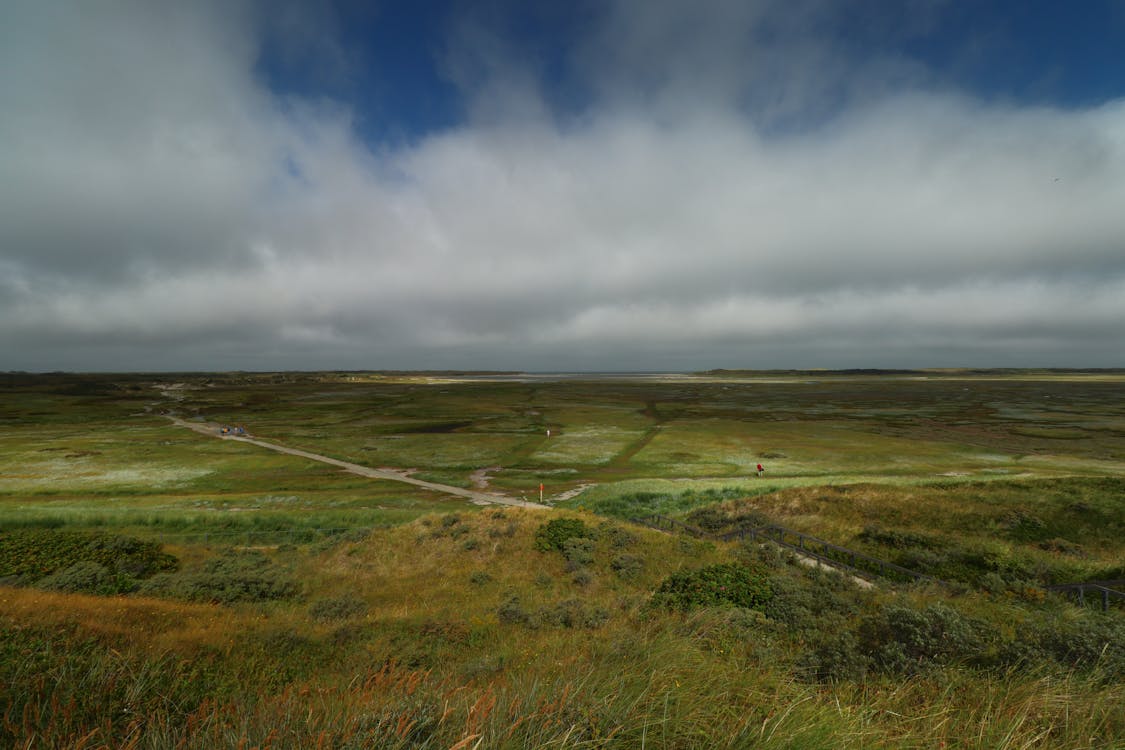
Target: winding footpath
column 477, row 498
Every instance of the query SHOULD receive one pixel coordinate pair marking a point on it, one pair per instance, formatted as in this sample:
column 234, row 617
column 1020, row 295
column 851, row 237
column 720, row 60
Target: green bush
column 901, row 640
column 813, row 602
column 29, row 555
column 579, row 551
column 511, row 612
column 554, row 534
column 230, row 577
column 717, row 521
column 714, row 585
column 87, row 577
column 573, row 613
column 337, row 608
column 1093, row 643
column 509, row 530
column 710, row 519
column 835, row 657
column 618, row 537
column 627, row 566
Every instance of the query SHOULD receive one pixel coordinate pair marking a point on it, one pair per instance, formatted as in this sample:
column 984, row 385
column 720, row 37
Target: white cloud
column 160, row 207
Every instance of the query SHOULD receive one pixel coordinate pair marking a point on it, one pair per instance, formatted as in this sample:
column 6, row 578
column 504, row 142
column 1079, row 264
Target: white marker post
column 540, row 492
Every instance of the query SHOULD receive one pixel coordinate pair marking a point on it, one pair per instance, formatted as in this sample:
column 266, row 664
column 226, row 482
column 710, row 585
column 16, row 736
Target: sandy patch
column 479, row 478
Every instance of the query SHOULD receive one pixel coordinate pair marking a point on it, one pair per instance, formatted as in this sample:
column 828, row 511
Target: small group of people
column 761, row 471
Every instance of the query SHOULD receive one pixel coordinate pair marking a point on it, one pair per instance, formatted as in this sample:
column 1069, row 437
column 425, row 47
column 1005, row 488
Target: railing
column 805, row 544
column 1104, row 588
column 830, row 554
column 858, row 563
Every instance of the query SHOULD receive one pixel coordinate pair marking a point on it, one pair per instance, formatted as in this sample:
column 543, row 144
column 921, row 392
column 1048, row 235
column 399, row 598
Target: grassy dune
column 511, row 648
column 323, row 609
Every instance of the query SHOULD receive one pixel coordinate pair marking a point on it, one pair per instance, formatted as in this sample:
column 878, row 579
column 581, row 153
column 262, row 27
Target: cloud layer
column 736, row 189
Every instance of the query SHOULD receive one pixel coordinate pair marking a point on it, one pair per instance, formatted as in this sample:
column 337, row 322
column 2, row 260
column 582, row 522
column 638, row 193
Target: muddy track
column 477, row 498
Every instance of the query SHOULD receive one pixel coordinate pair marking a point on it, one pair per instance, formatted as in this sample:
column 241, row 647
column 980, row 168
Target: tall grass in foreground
column 96, row 698
column 358, row 659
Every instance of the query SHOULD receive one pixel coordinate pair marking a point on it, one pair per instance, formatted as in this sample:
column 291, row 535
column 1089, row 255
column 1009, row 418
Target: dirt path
column 477, row 498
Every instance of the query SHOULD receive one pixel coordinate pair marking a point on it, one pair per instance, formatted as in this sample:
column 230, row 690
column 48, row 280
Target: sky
column 595, row 185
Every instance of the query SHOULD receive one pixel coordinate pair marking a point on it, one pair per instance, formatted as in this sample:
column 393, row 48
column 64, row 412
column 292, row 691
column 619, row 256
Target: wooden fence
column 810, row 546
column 1104, row 589
column 860, row 564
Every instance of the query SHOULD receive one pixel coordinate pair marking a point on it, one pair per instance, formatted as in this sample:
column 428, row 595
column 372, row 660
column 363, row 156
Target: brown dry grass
column 155, row 624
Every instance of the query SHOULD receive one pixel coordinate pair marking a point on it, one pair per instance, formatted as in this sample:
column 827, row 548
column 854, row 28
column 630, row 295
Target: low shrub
column 714, row 585
column 901, row 640
column 710, row 519
column 337, row 608
column 230, row 577
column 835, row 657
column 1090, row 644
column 511, row 612
column 579, row 551
column 582, row 577
column 816, row 602
column 29, row 555
column 87, row 577
column 694, row 547
column 509, row 530
column 617, row 537
column 627, row 566
column 554, row 534
column 717, row 521
column 480, row 578
column 572, row 613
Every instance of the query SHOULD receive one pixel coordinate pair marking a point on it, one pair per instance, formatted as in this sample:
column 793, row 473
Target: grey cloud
column 133, row 135
column 185, row 217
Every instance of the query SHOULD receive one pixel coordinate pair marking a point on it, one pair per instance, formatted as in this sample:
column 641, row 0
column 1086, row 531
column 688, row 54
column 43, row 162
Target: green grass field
column 303, row 606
